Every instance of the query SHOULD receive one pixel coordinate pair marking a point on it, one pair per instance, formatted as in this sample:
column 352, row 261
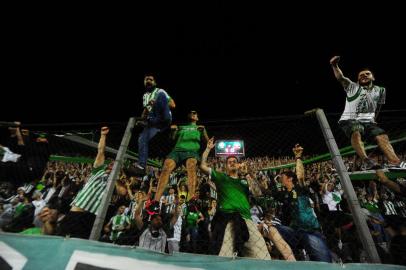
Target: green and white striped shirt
column 117, row 222
column 90, row 196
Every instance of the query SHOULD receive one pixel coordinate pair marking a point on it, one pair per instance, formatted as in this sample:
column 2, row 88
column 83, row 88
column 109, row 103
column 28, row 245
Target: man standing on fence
column 79, row 221
column 233, row 230
column 186, row 149
column 156, row 117
column 362, row 106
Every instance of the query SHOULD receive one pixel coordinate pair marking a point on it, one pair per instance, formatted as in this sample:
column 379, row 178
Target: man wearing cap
column 188, row 138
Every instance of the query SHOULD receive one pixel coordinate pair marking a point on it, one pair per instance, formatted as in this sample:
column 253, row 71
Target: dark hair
column 150, row 74
column 366, row 69
column 189, row 115
column 231, row 157
column 292, row 175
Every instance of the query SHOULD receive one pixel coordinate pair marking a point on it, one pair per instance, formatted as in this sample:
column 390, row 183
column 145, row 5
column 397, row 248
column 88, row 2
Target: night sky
column 224, row 61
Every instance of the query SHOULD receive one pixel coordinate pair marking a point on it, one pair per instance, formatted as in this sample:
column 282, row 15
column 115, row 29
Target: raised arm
column 175, row 215
column 20, row 140
column 338, row 73
column 300, row 173
column 137, row 213
column 101, row 147
column 203, row 165
column 252, row 182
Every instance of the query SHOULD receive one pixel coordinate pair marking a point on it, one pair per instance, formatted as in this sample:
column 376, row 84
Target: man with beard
column 156, row 117
column 362, row 106
column 233, row 230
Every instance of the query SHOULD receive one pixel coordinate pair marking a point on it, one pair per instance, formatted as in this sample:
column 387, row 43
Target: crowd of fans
column 175, row 224
column 37, row 207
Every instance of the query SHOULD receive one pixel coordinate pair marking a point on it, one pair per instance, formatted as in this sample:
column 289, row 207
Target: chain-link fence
column 54, row 187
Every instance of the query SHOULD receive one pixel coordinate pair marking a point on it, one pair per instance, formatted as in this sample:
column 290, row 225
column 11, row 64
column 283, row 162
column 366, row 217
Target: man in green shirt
column 232, row 223
column 188, row 138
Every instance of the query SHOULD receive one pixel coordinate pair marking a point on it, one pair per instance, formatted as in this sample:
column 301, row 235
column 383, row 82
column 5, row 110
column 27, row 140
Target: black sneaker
column 135, row 170
column 370, row 164
column 399, row 167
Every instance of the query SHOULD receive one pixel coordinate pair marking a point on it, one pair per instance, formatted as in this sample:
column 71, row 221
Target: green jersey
column 232, row 194
column 191, row 219
column 188, row 138
column 32, row 231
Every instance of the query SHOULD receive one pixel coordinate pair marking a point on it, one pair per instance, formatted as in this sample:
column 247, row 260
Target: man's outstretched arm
column 101, row 147
column 338, row 73
column 300, row 172
column 203, row 165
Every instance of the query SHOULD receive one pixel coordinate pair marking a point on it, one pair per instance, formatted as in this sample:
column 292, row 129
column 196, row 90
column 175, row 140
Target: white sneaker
column 399, row 167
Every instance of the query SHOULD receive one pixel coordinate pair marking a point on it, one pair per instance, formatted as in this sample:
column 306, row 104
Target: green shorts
column 181, row 156
column 369, row 130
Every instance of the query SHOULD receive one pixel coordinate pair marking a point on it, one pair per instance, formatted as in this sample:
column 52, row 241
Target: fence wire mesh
column 48, row 167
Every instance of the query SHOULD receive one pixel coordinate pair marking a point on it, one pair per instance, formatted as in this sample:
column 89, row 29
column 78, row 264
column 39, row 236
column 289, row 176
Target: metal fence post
column 359, row 218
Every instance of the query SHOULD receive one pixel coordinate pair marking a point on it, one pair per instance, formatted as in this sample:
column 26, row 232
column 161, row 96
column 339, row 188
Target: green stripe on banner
column 345, row 151
column 51, row 252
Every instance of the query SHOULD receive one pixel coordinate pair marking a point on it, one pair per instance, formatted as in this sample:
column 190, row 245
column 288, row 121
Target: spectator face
column 171, row 191
column 48, row 215
column 365, row 77
column 232, row 165
column 149, row 81
column 330, row 187
column 121, row 210
column 181, row 200
column 156, row 222
column 213, row 204
column 193, row 116
column 287, row 181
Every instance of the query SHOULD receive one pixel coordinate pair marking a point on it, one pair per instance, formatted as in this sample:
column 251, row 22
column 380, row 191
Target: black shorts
column 369, row 130
column 76, row 224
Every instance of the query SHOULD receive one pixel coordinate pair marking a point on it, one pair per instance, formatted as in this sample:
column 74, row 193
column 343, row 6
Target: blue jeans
column 146, row 135
column 158, row 118
column 194, row 236
column 312, row 242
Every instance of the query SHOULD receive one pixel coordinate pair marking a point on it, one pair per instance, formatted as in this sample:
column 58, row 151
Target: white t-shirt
column 361, row 103
column 177, row 230
column 332, row 199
